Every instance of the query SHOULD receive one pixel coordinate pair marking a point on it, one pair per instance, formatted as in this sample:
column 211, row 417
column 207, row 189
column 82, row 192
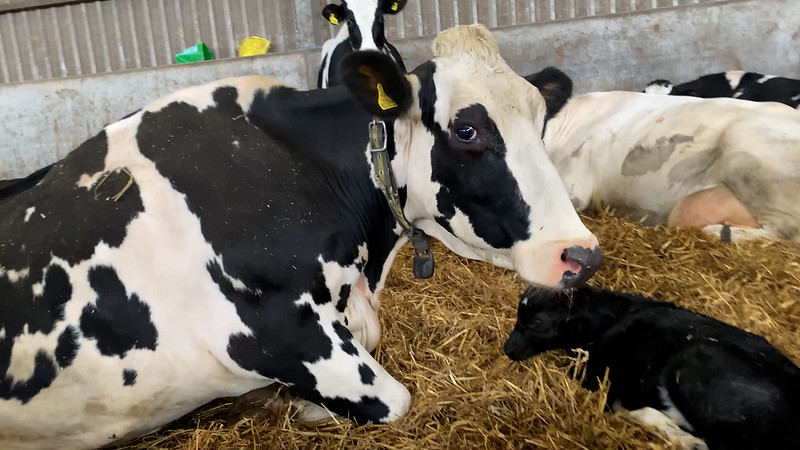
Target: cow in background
column 727, row 166
column 734, row 84
column 364, row 31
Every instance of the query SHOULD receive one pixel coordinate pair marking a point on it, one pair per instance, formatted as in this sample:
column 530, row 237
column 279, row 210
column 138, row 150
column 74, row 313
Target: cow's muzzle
column 580, row 264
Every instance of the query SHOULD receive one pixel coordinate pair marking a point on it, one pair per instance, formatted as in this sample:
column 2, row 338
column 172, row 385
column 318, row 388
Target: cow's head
column 364, row 19
column 468, row 137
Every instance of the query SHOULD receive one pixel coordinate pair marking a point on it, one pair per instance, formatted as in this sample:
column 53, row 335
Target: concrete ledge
column 41, row 122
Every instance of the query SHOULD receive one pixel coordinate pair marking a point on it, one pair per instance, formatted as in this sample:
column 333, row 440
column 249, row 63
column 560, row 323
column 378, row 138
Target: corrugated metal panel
column 111, row 35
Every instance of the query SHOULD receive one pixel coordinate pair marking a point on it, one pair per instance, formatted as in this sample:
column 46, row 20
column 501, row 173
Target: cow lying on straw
column 728, row 166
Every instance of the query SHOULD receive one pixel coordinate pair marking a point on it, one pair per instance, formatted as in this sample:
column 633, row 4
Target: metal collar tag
column 378, row 139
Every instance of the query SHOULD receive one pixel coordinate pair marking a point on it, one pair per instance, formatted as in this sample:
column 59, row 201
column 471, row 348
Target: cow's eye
column 466, row 134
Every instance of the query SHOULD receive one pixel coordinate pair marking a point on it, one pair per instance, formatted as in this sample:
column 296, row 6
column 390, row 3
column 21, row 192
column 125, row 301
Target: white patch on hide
column 765, row 78
column 327, row 50
column 14, row 275
column 337, row 276
column 658, row 89
column 734, row 77
column 653, row 417
column 672, row 411
column 28, row 213
column 23, row 353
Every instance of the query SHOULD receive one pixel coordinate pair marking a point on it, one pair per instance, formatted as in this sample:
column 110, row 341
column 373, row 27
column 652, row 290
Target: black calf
column 728, row 386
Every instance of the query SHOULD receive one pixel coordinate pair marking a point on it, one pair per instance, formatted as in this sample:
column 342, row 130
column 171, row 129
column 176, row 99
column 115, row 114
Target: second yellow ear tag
column 332, row 18
column 384, row 101
column 395, row 6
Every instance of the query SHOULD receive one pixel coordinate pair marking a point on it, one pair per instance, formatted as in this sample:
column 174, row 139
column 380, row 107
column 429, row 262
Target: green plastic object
column 199, row 52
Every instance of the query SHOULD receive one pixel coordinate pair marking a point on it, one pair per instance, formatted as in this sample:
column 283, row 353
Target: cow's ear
column 333, row 13
column 377, row 83
column 392, row 6
column 555, row 86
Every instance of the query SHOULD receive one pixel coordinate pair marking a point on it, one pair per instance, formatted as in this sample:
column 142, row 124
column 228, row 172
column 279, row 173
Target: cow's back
column 647, row 151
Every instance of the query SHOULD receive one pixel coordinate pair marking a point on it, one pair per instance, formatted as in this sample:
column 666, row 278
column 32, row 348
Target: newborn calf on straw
column 669, row 367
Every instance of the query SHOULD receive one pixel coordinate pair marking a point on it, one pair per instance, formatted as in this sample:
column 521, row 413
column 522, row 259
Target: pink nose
column 579, row 264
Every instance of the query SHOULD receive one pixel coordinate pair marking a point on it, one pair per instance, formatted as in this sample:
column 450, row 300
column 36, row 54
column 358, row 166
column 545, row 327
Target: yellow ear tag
column 384, row 101
column 333, row 19
column 395, row 6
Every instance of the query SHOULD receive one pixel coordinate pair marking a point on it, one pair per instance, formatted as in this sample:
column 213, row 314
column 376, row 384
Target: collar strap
column 378, row 140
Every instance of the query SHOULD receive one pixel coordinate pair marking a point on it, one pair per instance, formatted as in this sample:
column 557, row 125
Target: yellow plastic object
column 253, row 45
column 395, row 6
column 384, row 101
column 333, row 19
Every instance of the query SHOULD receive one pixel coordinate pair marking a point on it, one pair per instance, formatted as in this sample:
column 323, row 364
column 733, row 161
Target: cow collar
column 423, row 258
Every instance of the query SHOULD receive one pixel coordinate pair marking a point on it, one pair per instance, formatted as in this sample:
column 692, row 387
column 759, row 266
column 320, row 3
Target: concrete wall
column 42, row 121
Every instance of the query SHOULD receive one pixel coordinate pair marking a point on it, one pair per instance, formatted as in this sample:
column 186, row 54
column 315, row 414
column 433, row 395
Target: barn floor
column 443, row 340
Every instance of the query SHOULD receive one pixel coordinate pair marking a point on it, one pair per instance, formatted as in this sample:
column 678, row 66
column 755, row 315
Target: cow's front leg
column 349, row 381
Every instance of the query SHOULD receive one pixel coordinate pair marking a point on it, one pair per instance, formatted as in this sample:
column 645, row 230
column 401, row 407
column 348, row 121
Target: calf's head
column 469, row 157
column 543, row 323
column 364, row 19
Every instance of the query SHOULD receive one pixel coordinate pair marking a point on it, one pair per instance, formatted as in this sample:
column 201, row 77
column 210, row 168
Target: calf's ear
column 333, row 13
column 392, row 6
column 555, row 86
column 377, row 83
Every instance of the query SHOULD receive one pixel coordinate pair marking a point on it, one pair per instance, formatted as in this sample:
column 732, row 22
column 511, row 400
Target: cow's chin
column 540, row 267
column 537, row 264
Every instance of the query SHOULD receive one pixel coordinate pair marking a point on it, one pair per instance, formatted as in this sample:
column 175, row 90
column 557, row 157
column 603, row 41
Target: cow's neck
column 331, row 127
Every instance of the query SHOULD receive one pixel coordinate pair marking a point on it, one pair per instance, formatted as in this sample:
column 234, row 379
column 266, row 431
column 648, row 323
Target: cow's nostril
column 580, row 264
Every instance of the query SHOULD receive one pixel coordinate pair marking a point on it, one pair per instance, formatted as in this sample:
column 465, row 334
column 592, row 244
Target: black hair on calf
column 729, row 387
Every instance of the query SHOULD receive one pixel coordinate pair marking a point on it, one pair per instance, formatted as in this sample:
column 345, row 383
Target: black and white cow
column 735, row 84
column 364, row 31
column 233, row 235
column 731, row 167
column 669, row 366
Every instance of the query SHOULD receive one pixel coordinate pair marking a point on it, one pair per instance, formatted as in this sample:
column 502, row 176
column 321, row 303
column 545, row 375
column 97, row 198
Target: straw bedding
column 443, row 339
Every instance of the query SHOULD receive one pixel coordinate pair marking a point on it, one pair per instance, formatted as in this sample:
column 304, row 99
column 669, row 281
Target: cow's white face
column 471, row 156
column 364, row 20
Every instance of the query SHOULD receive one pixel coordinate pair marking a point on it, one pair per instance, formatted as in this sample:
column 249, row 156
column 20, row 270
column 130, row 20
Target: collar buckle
column 378, row 138
column 378, row 143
